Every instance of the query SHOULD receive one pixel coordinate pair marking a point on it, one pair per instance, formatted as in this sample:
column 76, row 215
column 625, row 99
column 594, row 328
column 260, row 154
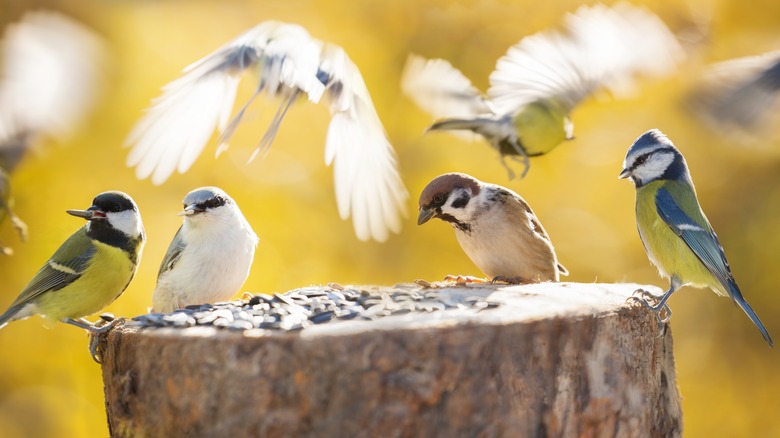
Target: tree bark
column 570, row 360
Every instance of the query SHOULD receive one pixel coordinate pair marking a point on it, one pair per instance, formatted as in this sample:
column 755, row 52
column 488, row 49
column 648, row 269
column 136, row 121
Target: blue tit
column 674, row 230
column 209, row 257
column 290, row 64
column 90, row 270
column 541, row 79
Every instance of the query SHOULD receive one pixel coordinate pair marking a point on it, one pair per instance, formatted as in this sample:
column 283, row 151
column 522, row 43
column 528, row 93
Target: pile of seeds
column 304, row 307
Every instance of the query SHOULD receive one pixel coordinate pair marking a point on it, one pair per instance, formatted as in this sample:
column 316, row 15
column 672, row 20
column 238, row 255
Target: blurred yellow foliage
column 728, row 378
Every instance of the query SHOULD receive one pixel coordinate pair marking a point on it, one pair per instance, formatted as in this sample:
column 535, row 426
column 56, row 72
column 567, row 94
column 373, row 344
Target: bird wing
column 173, row 254
column 442, row 90
column 63, row 268
column 51, row 72
column 598, row 47
column 177, row 127
column 696, row 233
column 366, row 179
column 739, row 92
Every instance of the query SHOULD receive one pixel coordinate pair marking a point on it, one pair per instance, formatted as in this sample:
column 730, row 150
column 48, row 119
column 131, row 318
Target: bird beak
column 88, row 214
column 425, row 215
column 189, row 211
column 624, row 174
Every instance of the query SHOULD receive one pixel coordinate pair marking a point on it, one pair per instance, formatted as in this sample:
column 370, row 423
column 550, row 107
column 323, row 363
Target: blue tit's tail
column 9, row 315
column 736, row 295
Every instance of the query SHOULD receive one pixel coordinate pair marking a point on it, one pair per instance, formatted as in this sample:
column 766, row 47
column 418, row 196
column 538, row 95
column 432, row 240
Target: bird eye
column 641, row 160
column 438, row 198
column 116, row 208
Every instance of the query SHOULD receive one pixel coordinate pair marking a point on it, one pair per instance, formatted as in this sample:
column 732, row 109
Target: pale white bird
column 289, row 63
column 541, row 79
column 210, row 256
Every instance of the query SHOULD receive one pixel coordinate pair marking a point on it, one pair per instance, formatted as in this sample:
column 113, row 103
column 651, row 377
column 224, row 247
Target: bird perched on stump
column 290, row 64
column 495, row 227
column 541, row 79
column 90, row 270
column 209, row 257
column 676, row 234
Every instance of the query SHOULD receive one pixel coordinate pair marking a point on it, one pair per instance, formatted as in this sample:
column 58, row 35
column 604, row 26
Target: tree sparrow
column 494, row 226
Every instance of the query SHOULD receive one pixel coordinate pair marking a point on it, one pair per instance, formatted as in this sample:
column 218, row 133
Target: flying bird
column 739, row 93
column 541, row 79
column 50, row 75
column 676, row 234
column 287, row 63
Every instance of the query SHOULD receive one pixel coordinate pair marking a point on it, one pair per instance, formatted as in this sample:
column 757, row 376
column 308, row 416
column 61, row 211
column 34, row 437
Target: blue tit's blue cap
column 648, row 141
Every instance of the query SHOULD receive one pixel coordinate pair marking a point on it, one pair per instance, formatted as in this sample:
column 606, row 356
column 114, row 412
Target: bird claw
column 94, row 336
column 508, row 280
column 663, row 313
column 20, row 227
column 465, row 279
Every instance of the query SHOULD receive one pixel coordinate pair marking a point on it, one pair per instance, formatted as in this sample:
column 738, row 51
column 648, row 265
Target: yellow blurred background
column 727, row 376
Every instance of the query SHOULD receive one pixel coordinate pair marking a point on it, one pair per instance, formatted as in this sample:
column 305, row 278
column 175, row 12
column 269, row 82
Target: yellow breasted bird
column 542, row 78
column 676, row 234
column 90, row 270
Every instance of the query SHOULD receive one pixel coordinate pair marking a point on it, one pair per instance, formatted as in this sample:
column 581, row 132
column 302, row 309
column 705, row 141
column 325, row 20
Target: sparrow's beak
column 624, row 174
column 425, row 215
column 88, row 214
column 190, row 210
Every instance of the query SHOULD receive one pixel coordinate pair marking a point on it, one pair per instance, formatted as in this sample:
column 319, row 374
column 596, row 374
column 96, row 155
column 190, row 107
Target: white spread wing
column 599, row 47
column 441, row 90
column 368, row 186
column 177, row 127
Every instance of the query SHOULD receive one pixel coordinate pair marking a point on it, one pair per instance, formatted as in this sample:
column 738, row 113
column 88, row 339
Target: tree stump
column 536, row 360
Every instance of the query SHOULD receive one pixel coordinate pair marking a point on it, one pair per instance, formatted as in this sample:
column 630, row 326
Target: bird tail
column 9, row 315
column 476, row 124
column 736, row 295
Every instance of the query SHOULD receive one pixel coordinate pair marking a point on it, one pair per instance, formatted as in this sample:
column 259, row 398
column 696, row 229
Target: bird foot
column 6, row 250
column 465, row 279
column 20, row 227
column 508, row 280
column 107, row 322
column 663, row 312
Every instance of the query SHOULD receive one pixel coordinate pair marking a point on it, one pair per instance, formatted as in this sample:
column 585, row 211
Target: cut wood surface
column 549, row 359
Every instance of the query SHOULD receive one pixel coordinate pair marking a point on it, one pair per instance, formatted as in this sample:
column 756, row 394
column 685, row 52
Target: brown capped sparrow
column 494, row 226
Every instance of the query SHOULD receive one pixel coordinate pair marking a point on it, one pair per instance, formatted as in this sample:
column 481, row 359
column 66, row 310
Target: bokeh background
column 728, row 377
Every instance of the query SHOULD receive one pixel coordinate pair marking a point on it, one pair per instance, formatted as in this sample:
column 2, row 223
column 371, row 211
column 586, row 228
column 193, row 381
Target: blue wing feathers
column 705, row 245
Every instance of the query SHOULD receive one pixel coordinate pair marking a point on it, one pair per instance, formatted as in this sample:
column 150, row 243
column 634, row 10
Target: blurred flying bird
column 289, row 64
column 209, row 257
column 89, row 270
column 50, row 71
column 740, row 93
column 541, row 79
column 676, row 234
column 495, row 227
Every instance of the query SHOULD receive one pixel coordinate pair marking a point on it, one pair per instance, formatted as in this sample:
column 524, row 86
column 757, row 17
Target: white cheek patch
column 655, row 166
column 128, row 222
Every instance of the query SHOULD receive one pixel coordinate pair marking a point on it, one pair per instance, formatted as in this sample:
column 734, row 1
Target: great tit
column 90, row 270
